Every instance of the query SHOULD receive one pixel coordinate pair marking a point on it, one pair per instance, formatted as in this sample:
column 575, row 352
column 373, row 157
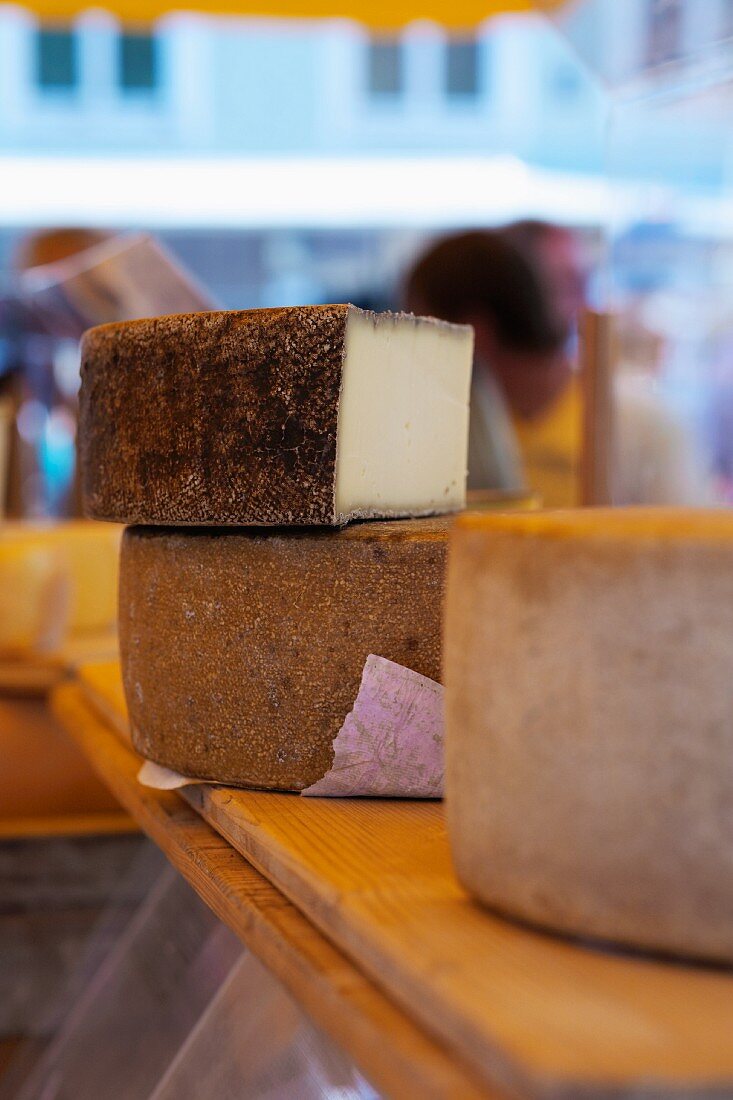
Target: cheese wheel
column 242, row 652
column 589, row 722
column 56, row 579
column 34, row 599
column 314, row 415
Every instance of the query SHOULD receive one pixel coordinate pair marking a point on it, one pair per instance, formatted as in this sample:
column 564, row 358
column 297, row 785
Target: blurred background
column 287, row 161
column 558, row 173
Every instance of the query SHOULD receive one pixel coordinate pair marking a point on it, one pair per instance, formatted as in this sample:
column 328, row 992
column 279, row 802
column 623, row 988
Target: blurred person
column 524, row 377
column 556, row 254
column 520, row 370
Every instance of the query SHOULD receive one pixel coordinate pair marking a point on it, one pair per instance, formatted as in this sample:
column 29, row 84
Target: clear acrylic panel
column 667, row 69
column 141, row 1001
column 254, row 1043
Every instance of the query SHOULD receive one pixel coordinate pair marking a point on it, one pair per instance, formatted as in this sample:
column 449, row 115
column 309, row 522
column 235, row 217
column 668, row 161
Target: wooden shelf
column 99, row 823
column 47, row 788
column 37, row 674
column 530, row 1013
column 390, row 1049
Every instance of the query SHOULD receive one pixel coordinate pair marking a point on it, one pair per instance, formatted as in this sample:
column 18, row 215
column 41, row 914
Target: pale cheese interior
column 403, row 417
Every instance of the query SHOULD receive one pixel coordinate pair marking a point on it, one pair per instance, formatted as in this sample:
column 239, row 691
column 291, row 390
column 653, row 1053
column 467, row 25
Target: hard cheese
column 242, row 653
column 589, row 722
column 55, row 579
column 314, row 415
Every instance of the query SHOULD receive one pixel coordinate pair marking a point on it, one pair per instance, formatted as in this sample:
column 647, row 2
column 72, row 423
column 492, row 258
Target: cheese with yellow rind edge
column 34, row 598
column 588, row 663
column 609, row 523
column 56, row 579
column 242, row 652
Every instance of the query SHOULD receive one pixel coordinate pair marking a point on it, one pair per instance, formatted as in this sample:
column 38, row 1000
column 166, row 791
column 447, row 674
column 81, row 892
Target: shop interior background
column 289, row 163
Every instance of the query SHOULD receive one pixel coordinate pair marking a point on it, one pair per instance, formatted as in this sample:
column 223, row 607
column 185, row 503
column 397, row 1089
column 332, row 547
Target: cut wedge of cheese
column 242, row 653
column 589, row 722
column 312, row 415
column 56, row 579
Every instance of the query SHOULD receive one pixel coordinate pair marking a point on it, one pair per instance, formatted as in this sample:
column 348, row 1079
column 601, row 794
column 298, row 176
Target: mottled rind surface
column 213, row 418
column 242, row 652
column 589, row 723
column 221, row 418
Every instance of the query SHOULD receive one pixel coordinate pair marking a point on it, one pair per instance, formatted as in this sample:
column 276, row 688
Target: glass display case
column 666, row 68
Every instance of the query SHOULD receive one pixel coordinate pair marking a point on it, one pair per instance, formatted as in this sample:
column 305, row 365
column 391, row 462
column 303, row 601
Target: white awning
column 293, row 192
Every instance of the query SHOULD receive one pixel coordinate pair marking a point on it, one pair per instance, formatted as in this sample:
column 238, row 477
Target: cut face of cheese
column 243, row 653
column 56, row 579
column 403, row 416
column 589, row 722
column 314, row 415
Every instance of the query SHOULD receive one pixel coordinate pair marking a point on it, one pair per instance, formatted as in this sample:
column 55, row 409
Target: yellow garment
column 550, row 445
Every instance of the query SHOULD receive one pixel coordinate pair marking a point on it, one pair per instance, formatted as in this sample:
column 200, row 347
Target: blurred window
column 56, row 59
column 462, row 68
column 138, row 63
column 385, row 69
column 727, row 18
column 664, row 35
column 565, row 82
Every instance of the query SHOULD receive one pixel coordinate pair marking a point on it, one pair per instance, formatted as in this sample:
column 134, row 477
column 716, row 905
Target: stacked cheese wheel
column 238, row 445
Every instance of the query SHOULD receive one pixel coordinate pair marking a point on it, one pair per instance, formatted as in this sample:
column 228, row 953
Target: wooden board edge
column 37, row 674
column 29, row 681
column 101, row 823
column 392, row 1051
column 493, row 1065
column 104, row 708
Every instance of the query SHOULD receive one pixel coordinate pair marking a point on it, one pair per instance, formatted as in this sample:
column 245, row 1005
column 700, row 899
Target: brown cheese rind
column 242, row 653
column 216, row 418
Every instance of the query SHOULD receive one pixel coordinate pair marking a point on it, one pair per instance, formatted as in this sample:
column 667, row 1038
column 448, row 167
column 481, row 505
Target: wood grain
column 37, row 674
column 391, row 1050
column 535, row 1014
column 596, row 384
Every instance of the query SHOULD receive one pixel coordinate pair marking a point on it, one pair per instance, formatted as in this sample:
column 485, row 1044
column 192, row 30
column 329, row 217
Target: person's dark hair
column 480, row 272
column 528, row 233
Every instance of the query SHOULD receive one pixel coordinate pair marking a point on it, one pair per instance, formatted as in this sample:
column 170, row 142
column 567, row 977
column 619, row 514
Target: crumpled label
column 391, row 743
column 389, row 746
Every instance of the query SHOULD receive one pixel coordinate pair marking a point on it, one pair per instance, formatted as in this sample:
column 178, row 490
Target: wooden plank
column 37, row 674
column 47, row 788
column 43, row 774
column 596, row 384
column 67, row 825
column 101, row 684
column 535, row 1013
column 530, row 1011
column 391, row 1050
